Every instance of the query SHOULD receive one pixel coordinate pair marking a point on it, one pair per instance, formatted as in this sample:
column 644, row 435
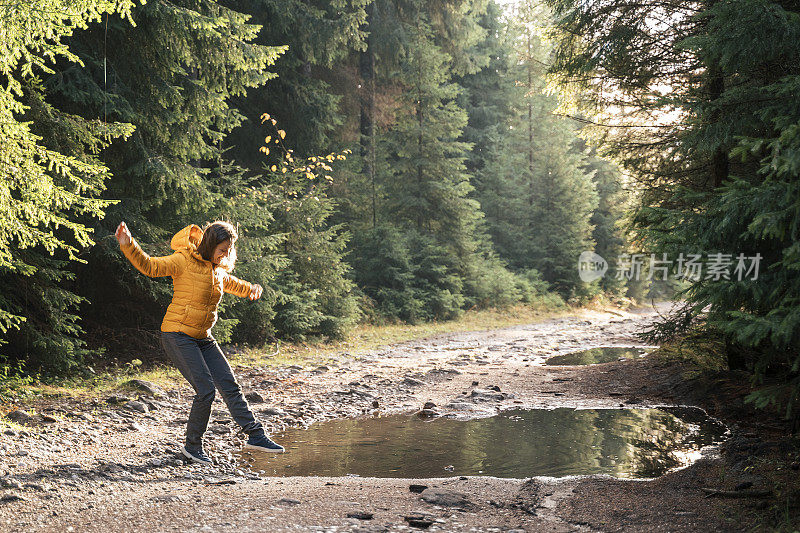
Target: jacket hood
column 187, row 240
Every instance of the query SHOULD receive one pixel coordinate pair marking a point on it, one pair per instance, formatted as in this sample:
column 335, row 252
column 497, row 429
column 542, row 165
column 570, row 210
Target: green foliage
column 719, row 174
column 307, row 95
column 50, row 177
column 407, row 275
column 533, row 180
column 291, row 249
column 172, row 76
column 466, row 191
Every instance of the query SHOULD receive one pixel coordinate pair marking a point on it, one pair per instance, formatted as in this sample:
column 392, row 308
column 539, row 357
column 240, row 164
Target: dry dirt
column 113, row 466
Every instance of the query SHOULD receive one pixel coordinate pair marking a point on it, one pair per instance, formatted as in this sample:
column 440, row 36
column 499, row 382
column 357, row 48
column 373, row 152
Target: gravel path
column 113, row 465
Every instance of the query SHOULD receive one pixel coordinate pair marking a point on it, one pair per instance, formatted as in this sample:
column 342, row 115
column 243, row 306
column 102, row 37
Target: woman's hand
column 255, row 291
column 123, row 234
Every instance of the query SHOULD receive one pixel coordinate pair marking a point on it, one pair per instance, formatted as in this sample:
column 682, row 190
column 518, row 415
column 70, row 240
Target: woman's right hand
column 123, row 234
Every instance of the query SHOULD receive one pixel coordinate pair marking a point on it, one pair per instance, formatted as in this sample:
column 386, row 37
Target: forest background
column 397, row 160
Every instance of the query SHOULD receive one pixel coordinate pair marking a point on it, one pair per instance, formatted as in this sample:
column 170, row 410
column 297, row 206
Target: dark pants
column 204, row 365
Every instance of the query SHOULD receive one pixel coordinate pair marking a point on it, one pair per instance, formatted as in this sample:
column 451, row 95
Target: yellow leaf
column 309, row 175
column 282, row 134
column 264, row 117
column 269, row 137
column 273, row 121
column 273, row 168
column 283, row 170
column 265, row 150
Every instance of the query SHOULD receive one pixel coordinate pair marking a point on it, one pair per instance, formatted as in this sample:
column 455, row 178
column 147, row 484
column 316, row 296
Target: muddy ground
column 112, row 465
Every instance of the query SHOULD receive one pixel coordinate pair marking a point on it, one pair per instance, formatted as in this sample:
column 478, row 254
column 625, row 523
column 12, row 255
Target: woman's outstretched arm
column 242, row 288
column 170, row 265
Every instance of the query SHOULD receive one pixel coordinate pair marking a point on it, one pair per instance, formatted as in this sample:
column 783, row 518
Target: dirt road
column 112, row 466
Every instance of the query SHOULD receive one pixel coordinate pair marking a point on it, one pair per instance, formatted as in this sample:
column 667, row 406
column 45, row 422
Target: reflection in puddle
column 596, row 355
column 627, row 443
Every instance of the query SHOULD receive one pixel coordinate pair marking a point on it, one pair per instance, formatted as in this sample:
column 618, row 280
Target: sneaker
column 259, row 441
column 197, row 456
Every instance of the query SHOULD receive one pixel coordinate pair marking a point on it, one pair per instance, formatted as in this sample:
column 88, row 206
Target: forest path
column 113, row 466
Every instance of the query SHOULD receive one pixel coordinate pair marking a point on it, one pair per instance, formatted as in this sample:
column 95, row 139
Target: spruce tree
column 708, row 134
column 429, row 187
column 171, row 76
column 50, row 180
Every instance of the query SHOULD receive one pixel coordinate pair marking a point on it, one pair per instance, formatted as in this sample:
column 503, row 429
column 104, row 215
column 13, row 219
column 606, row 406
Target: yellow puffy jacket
column 197, row 284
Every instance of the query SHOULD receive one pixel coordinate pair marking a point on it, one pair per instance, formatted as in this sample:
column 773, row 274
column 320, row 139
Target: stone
column 417, row 489
column 10, row 483
column 117, row 399
column 486, row 394
column 20, row 417
column 289, row 501
column 445, row 498
column 360, row 515
column 429, row 405
column 166, row 498
column 146, row 386
column 419, row 520
column 254, row 397
column 412, row 382
column 428, row 413
column 137, row 406
column 12, row 497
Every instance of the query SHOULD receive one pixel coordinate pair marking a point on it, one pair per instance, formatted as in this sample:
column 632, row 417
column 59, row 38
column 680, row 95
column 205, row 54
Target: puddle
column 625, row 443
column 593, row 356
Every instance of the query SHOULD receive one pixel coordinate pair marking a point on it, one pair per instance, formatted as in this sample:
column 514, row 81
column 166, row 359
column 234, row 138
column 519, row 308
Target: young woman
column 200, row 270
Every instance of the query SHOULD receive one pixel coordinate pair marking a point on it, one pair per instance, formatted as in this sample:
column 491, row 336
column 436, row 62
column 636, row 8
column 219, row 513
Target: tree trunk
column 367, row 74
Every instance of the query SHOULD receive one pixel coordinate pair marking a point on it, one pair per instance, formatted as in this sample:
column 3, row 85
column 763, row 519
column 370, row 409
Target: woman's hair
column 215, row 233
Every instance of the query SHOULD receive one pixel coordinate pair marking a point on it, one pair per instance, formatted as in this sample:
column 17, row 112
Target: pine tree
column 608, row 219
column 534, row 188
column 429, row 187
column 50, row 179
column 306, row 97
column 171, row 76
column 718, row 73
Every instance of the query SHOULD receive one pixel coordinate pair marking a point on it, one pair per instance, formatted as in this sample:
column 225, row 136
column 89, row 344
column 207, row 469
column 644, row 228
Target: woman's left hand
column 255, row 291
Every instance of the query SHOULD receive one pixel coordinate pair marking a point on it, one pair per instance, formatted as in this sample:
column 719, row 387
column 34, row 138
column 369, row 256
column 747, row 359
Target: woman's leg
column 228, row 386
column 184, row 352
